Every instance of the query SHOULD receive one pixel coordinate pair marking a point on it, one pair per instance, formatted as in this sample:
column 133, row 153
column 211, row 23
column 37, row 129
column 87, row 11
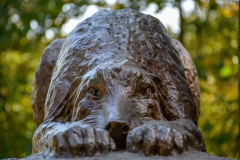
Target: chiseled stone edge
column 132, row 156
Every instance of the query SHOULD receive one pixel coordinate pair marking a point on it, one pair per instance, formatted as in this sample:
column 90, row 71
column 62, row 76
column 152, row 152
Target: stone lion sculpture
column 116, row 83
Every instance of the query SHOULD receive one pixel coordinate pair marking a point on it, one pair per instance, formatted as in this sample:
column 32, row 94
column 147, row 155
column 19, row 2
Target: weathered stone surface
column 42, row 79
column 190, row 73
column 193, row 155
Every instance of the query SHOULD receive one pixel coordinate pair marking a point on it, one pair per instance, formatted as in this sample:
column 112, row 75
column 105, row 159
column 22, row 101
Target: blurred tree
column 209, row 33
column 211, row 37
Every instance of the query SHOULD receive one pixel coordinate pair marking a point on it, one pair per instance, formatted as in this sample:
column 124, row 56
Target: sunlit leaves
column 213, row 46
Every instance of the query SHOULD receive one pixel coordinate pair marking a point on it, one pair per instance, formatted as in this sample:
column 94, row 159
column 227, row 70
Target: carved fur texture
column 118, row 83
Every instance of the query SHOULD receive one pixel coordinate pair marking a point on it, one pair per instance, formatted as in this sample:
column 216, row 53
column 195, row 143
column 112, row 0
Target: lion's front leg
column 165, row 137
column 72, row 139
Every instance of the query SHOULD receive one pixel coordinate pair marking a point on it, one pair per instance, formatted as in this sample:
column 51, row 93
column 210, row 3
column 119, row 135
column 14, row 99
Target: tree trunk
column 181, row 24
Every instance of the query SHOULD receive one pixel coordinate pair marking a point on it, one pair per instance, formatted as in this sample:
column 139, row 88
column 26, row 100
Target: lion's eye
column 149, row 91
column 92, row 91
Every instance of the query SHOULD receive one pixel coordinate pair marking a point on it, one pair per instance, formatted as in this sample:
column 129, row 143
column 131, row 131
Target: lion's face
column 117, row 99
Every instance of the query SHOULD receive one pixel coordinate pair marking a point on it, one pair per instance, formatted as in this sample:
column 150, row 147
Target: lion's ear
column 190, row 73
column 42, row 78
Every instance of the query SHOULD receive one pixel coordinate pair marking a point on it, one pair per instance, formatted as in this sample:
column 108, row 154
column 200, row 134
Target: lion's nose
column 118, row 130
column 117, row 127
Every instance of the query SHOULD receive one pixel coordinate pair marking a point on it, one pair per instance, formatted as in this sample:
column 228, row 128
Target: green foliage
column 209, row 33
column 215, row 56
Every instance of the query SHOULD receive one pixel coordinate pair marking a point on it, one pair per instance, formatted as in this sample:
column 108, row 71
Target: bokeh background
column 207, row 28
